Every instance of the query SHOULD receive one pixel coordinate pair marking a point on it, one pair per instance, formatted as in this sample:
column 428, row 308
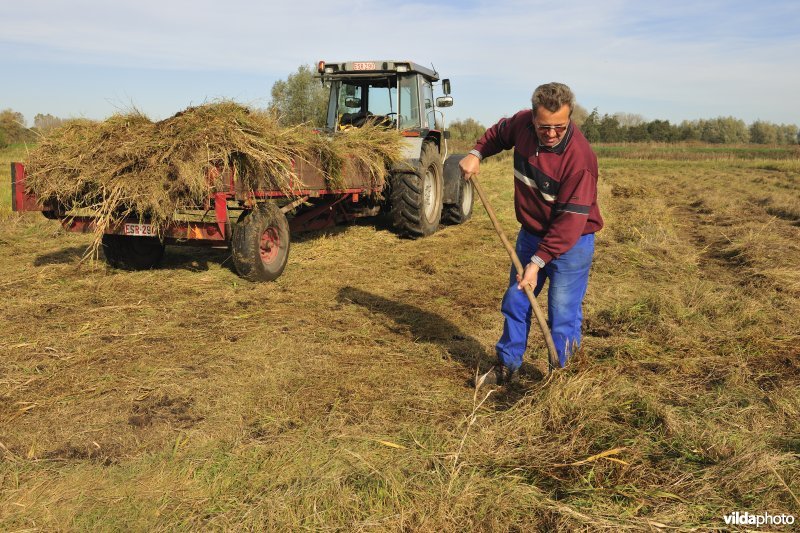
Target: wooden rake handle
column 552, row 355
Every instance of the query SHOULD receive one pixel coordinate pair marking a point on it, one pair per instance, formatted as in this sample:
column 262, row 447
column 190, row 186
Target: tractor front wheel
column 260, row 243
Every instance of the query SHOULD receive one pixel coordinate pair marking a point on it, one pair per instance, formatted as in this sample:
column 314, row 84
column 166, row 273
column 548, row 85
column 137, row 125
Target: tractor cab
column 391, row 93
column 427, row 189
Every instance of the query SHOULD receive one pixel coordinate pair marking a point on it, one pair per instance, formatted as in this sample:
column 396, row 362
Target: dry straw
column 128, row 166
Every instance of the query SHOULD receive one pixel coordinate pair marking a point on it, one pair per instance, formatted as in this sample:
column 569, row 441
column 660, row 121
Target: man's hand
column 530, row 276
column 470, row 166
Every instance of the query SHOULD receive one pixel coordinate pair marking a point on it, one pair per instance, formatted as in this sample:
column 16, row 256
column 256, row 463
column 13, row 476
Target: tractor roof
column 348, row 69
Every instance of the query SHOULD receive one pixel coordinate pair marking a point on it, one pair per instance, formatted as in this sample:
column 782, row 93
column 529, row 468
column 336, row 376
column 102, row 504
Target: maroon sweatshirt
column 555, row 189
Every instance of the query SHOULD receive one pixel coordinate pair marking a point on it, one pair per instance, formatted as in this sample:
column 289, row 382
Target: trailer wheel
column 129, row 252
column 461, row 211
column 260, row 243
column 417, row 198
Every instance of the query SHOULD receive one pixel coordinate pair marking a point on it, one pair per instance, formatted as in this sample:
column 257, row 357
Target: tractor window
column 409, row 102
column 350, row 103
column 349, row 98
column 367, row 100
column 382, row 100
column 427, row 97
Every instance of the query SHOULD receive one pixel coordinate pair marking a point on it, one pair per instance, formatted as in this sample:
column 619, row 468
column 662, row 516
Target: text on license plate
column 142, row 230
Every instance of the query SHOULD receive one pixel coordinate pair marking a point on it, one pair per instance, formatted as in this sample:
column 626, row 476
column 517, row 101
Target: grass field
column 337, row 397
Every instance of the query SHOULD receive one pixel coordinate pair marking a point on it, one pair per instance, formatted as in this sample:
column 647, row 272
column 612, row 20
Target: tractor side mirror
column 352, row 102
column 446, row 86
column 444, row 101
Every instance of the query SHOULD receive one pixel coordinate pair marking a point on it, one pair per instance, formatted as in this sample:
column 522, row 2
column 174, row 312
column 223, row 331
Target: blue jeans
column 569, row 276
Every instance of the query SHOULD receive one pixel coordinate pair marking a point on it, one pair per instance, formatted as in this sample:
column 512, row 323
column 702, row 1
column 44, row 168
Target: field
column 337, row 397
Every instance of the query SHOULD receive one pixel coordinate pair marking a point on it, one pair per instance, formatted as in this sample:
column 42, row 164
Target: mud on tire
column 417, row 198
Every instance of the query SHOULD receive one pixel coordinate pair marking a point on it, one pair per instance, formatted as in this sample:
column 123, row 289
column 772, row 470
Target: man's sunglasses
column 558, row 129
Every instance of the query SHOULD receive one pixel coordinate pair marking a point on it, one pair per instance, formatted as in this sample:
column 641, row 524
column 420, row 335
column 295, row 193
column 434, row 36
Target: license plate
column 140, row 230
column 364, row 66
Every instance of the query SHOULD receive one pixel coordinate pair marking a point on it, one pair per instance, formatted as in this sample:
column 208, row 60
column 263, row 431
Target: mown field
column 337, row 397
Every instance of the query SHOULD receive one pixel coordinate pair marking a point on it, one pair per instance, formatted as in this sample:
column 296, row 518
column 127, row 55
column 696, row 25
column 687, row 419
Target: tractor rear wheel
column 417, row 198
column 260, row 243
column 129, row 252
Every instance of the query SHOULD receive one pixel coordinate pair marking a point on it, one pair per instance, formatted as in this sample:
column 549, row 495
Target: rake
column 552, row 355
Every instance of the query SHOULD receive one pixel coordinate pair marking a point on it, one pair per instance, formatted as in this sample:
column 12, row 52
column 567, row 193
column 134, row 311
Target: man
column 555, row 198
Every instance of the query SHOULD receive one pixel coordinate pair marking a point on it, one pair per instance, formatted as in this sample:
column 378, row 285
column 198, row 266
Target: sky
column 677, row 60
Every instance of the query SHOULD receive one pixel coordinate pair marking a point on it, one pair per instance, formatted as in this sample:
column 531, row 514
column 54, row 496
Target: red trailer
column 253, row 223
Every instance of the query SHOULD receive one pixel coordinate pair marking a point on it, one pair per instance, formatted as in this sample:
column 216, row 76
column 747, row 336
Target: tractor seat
column 353, row 119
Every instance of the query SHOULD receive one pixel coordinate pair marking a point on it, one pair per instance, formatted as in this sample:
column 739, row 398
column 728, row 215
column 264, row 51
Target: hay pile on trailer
column 128, row 166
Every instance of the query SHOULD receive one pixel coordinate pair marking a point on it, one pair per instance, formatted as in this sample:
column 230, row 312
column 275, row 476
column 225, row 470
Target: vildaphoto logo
column 763, row 519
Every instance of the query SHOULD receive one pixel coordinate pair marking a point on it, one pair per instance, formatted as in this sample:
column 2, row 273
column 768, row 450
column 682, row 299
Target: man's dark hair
column 552, row 96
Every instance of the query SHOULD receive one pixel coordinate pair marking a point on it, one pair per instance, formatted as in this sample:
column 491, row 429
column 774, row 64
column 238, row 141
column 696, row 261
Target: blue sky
column 667, row 60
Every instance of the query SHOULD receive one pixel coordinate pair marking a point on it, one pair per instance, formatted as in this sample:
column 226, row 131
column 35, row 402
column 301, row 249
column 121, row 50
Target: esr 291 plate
column 140, row 230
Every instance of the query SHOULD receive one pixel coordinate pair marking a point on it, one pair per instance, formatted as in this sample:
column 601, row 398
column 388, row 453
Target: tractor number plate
column 140, row 230
column 364, row 66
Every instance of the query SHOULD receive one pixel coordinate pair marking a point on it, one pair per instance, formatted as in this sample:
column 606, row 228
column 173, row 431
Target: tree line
column 301, row 99
column 619, row 127
column 13, row 129
column 625, row 127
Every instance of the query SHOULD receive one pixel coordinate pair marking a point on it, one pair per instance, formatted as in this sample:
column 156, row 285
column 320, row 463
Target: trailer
column 257, row 224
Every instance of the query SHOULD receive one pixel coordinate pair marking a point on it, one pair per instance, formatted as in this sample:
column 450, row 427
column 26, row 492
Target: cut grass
column 336, row 397
column 697, row 151
column 128, row 167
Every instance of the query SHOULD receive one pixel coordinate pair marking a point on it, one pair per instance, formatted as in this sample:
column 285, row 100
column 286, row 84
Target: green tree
column 763, row 132
column 724, row 130
column 467, row 131
column 13, row 129
column 609, row 129
column 638, row 133
column 689, row 131
column 788, row 134
column 591, row 126
column 300, row 99
column 579, row 115
column 661, row 131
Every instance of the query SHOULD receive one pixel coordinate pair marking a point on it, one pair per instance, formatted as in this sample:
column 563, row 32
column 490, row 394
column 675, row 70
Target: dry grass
column 336, row 398
column 696, row 151
column 128, row 166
